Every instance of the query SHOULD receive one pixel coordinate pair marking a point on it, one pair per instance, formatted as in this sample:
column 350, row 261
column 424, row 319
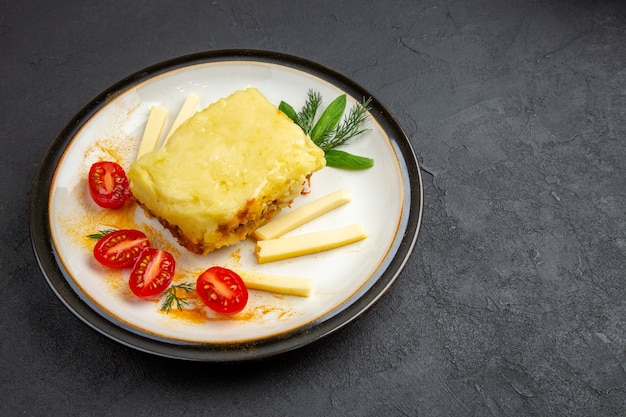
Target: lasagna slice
column 225, row 171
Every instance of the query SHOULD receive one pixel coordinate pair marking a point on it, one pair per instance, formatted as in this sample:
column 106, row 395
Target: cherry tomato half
column 120, row 249
column 222, row 290
column 108, row 184
column 152, row 273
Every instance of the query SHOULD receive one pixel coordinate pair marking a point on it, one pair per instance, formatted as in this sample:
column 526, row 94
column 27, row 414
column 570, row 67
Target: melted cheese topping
column 228, row 165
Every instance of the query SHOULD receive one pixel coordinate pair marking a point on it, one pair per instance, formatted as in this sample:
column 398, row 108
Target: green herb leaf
column 341, row 159
column 306, row 117
column 171, row 296
column 100, row 234
column 289, row 111
column 330, row 130
column 350, row 126
column 329, row 119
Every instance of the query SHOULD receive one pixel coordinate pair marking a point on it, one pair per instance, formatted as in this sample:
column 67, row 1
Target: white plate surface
column 342, row 276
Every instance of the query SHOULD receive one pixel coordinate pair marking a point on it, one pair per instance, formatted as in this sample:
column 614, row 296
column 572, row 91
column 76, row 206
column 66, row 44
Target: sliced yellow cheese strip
column 288, row 247
column 153, row 129
column 302, row 215
column 278, row 284
column 186, row 111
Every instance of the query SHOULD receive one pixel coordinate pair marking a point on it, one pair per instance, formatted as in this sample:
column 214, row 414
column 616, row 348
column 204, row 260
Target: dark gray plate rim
column 59, row 279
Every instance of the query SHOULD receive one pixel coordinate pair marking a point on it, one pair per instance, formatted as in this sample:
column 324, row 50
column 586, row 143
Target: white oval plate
column 386, row 199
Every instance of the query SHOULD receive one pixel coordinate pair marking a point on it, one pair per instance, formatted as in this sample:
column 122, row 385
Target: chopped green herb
column 330, row 131
column 173, row 300
column 306, row 117
column 349, row 127
column 323, row 129
column 100, row 234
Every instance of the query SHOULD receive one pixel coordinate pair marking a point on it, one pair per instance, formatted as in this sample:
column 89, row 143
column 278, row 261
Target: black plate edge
column 41, row 238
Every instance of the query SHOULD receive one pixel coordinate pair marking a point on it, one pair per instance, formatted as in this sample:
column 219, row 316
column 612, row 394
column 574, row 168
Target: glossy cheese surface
column 225, row 171
column 302, row 287
column 271, row 250
column 302, row 215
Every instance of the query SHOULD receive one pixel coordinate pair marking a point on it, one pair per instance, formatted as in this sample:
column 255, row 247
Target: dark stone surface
column 514, row 301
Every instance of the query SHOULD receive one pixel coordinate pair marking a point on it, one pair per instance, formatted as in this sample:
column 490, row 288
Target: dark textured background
column 514, row 301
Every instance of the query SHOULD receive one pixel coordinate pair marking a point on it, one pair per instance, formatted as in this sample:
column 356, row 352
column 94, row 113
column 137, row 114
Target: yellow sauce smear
column 78, row 228
column 199, row 314
column 123, row 218
column 95, row 219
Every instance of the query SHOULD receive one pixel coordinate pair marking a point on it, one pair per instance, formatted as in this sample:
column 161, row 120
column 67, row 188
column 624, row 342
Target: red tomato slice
column 222, row 290
column 108, row 184
column 152, row 273
column 120, row 249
